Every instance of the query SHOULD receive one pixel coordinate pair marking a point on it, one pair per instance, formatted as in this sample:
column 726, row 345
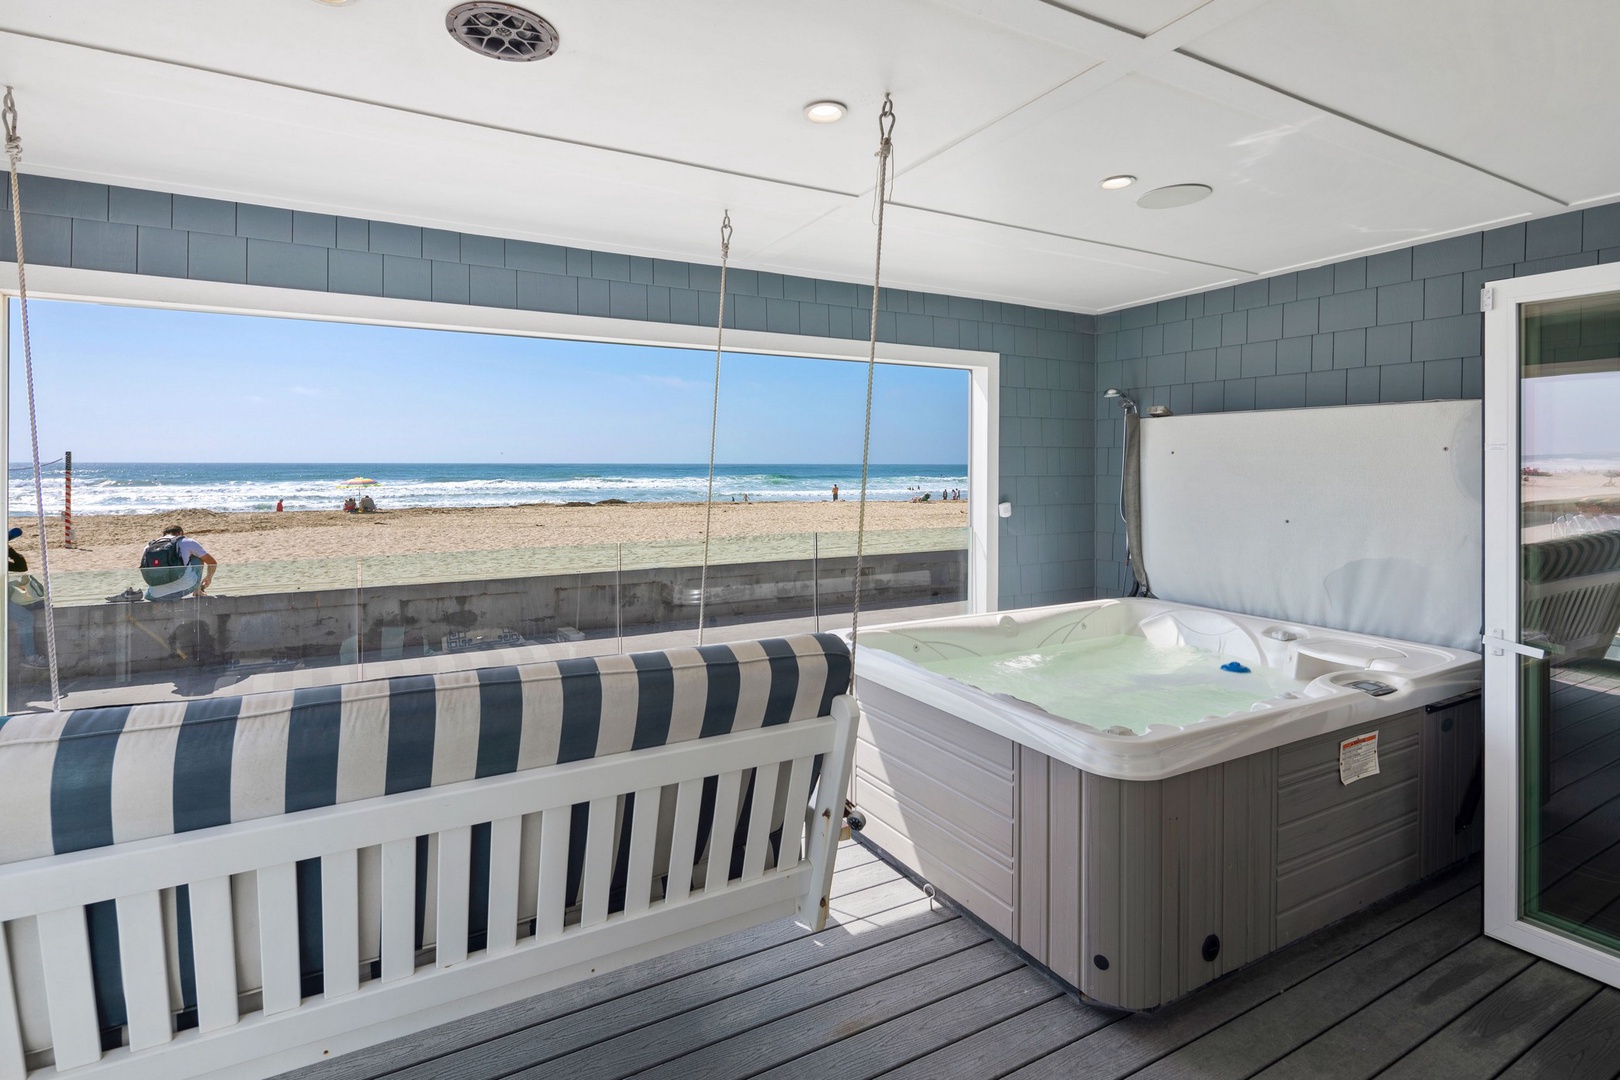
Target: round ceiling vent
column 501, row 31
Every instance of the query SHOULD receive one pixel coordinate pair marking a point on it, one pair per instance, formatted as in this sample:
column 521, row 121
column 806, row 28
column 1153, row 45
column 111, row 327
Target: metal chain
column 14, row 151
column 885, row 180
column 714, row 420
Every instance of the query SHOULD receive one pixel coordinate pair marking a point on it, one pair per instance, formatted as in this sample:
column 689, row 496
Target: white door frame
column 1502, row 781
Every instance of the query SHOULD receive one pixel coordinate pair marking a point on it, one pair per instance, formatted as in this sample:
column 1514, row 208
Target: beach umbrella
column 358, row 481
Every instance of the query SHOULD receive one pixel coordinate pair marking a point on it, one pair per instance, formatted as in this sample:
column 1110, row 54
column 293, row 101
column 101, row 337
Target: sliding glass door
column 1552, row 654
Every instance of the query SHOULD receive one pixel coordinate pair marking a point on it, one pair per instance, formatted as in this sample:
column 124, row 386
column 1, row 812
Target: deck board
column 1011, row 1044
column 1276, row 1027
column 1137, row 1041
column 722, row 1022
column 877, row 1050
column 799, row 1032
column 1586, row 1046
column 1401, row 1020
column 792, row 960
column 901, row 988
column 1496, row 1032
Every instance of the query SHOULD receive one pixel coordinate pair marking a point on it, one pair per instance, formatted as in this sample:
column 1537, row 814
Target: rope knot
column 8, row 113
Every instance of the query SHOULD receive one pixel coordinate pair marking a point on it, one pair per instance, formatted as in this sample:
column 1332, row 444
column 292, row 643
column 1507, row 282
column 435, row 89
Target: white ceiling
column 1327, row 129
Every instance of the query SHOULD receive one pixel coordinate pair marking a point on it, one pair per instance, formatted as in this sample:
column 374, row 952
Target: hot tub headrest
column 100, row 776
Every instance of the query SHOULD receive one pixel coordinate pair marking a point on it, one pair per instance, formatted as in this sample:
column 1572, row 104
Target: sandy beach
column 261, row 552
column 1595, row 492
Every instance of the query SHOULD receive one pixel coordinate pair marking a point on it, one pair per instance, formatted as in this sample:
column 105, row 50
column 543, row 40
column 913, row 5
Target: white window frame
column 984, row 368
column 1503, row 789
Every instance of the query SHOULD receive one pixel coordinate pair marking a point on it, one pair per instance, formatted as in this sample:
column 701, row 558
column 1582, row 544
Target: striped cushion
column 101, row 776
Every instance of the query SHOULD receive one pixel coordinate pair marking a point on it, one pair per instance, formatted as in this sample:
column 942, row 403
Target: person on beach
column 278, row 506
column 835, row 493
column 20, row 601
column 349, row 506
column 366, row 505
column 195, row 564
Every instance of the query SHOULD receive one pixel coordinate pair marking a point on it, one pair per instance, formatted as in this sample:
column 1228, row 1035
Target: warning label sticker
column 1358, row 758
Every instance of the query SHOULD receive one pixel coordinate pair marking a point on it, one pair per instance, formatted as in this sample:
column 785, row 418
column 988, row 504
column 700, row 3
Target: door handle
column 1499, row 643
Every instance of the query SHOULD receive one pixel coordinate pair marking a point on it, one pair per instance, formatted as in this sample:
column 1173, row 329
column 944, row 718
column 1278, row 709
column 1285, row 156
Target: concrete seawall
column 134, row 641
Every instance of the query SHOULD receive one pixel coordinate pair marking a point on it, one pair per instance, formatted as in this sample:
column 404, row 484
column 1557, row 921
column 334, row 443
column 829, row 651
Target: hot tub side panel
column 939, row 795
column 1173, row 886
column 1172, row 882
column 1343, row 846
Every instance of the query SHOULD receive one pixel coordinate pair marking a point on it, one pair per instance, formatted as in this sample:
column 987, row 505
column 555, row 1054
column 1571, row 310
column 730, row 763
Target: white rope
column 14, row 152
column 885, row 185
column 714, row 420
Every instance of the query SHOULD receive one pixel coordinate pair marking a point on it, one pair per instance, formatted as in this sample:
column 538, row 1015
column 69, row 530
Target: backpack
column 161, row 562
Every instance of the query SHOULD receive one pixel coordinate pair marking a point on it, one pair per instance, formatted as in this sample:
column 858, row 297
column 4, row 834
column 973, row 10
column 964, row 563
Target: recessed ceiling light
column 1114, row 183
column 824, row 112
column 1165, row 198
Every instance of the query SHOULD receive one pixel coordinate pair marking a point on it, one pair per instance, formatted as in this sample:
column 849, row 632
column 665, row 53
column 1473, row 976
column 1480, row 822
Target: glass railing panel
column 760, row 586
column 122, row 640
column 466, row 609
column 906, row 574
column 659, row 594
column 289, row 623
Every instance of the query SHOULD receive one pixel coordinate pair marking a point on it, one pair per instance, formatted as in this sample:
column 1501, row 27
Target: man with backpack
column 175, row 565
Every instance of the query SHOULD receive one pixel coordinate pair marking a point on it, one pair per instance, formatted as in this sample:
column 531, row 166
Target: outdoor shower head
column 1124, row 398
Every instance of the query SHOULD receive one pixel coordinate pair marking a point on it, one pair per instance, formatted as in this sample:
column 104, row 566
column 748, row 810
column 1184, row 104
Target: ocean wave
column 132, row 489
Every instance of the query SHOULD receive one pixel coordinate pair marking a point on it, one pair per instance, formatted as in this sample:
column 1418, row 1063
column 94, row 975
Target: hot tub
column 1144, row 795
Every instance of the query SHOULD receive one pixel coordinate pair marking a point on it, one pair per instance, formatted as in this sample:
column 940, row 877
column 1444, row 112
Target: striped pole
column 67, row 499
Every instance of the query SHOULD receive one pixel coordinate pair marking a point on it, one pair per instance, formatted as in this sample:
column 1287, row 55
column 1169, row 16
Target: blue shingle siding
column 217, row 258
column 315, row 230
column 406, row 278
column 1397, row 326
column 536, row 258
column 483, row 250
column 388, row 238
column 103, row 245
column 493, row 286
column 358, row 272
column 197, row 215
column 63, row 198
column 135, row 207
column 287, row 266
column 264, row 223
column 161, row 252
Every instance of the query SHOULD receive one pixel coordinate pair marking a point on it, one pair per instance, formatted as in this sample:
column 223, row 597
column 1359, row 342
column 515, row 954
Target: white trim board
column 984, row 368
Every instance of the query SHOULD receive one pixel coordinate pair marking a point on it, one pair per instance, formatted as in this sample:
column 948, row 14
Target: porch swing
column 98, row 859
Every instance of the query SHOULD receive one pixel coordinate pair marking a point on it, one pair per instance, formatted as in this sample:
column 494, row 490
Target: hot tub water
column 1120, row 680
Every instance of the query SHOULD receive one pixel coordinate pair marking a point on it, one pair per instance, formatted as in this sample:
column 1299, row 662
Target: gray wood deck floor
column 898, row 987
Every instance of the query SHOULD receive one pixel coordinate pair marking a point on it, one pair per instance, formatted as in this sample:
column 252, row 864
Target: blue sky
column 145, row 384
column 1568, row 415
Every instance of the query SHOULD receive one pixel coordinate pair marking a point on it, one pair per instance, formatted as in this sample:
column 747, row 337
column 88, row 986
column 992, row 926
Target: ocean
column 136, row 488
